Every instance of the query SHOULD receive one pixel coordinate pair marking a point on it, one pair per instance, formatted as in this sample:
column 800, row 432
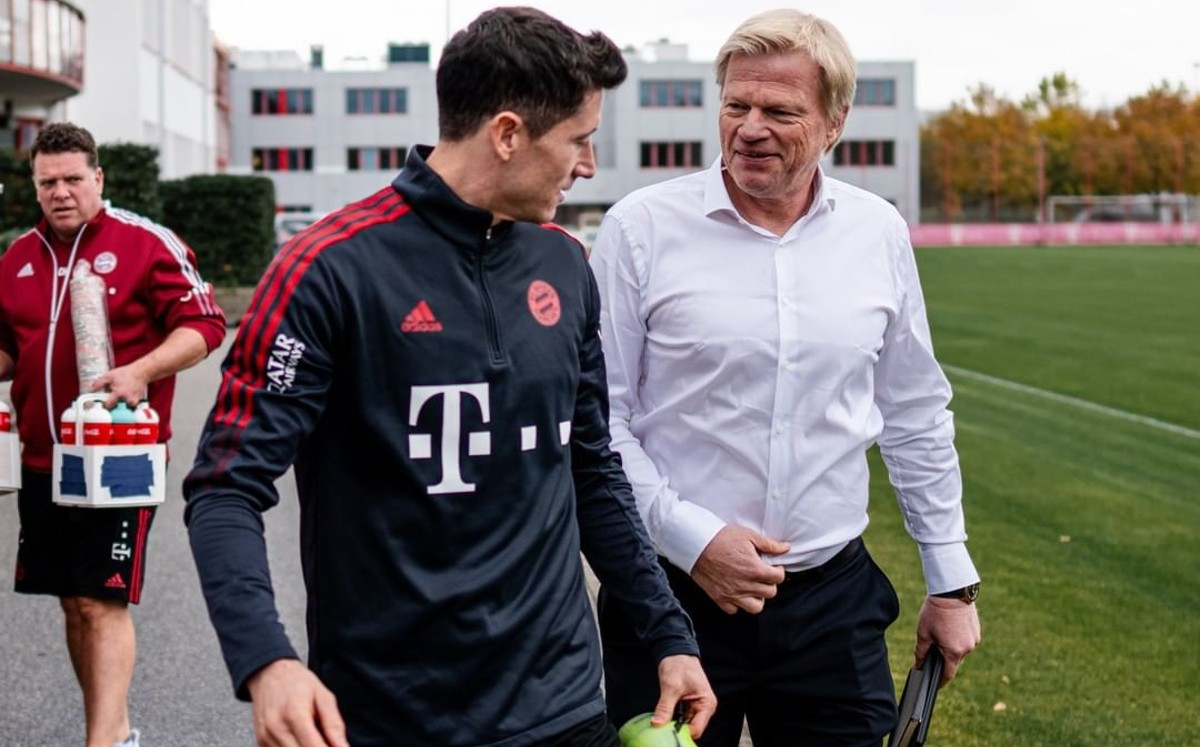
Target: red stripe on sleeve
column 247, row 372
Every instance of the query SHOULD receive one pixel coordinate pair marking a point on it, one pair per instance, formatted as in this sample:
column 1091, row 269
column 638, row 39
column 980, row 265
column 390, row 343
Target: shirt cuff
column 689, row 531
column 947, row 567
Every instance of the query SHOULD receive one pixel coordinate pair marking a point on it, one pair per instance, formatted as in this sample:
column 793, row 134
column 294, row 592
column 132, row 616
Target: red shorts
column 66, row 551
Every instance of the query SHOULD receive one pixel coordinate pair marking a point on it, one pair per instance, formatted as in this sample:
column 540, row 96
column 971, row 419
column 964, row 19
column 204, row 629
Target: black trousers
column 595, row 732
column 810, row 669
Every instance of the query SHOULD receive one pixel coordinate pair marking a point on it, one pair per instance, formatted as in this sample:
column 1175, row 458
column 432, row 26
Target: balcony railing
column 42, row 38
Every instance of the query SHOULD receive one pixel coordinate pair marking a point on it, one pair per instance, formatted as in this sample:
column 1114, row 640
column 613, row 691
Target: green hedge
column 229, row 221
column 131, row 178
column 19, row 210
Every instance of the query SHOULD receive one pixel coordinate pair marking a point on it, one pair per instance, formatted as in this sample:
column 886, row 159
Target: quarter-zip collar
column 91, row 228
column 458, row 222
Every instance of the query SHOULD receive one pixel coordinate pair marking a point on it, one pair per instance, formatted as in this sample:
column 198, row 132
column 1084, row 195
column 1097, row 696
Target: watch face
column 971, row 593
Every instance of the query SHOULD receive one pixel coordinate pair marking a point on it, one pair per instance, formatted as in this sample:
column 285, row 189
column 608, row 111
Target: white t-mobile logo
column 479, row 443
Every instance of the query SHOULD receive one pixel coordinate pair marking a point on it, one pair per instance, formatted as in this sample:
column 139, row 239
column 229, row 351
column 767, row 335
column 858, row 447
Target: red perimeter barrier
column 1025, row 234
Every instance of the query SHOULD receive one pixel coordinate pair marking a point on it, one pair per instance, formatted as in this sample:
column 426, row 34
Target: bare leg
column 103, row 652
column 72, row 625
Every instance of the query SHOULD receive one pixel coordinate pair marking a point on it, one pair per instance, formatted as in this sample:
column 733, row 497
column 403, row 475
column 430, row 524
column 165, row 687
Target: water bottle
column 147, row 424
column 125, row 425
column 68, row 433
column 97, row 420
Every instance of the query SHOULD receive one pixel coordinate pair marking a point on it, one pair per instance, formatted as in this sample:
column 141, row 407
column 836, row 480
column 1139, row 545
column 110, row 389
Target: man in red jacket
column 163, row 319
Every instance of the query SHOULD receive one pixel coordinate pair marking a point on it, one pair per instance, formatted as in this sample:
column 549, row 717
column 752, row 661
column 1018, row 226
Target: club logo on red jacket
column 544, row 303
column 105, row 263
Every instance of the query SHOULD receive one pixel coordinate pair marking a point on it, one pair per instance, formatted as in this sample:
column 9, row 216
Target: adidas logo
column 421, row 319
column 26, row 271
column 115, row 582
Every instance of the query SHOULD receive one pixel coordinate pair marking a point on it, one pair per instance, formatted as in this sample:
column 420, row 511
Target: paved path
column 181, row 693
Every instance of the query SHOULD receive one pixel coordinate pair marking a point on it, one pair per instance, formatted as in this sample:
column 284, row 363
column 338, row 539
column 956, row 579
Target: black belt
column 811, row 575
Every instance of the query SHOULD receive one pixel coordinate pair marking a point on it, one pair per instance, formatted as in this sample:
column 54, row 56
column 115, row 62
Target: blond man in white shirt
column 763, row 326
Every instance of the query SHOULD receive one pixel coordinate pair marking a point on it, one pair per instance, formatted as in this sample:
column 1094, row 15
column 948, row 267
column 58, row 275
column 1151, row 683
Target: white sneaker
column 131, row 740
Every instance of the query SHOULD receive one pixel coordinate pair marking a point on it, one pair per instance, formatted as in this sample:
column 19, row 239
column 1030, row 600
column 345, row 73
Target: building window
column 281, row 101
column 282, row 159
column 25, row 131
column 375, row 159
column 675, row 155
column 865, row 153
column 875, row 92
column 376, row 100
column 672, row 93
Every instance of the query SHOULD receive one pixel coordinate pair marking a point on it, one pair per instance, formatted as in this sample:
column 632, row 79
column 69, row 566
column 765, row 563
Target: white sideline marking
column 1083, row 404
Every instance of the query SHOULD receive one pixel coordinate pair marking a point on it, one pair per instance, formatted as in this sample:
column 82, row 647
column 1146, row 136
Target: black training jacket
column 438, row 384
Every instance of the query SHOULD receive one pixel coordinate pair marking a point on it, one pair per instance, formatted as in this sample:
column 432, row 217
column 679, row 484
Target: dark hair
column 523, row 60
column 65, row 137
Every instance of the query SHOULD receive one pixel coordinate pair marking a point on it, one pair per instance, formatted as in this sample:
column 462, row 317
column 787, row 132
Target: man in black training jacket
column 429, row 360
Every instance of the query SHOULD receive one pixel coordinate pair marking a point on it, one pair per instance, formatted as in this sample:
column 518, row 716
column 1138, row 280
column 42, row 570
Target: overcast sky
column 1112, row 49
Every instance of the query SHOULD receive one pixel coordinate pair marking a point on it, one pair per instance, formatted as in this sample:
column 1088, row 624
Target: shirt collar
column 716, row 196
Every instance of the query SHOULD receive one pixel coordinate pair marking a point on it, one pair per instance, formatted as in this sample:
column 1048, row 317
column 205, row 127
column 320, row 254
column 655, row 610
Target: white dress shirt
column 749, row 373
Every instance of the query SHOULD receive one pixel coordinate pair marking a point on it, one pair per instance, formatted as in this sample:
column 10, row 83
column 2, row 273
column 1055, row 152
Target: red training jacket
column 153, row 288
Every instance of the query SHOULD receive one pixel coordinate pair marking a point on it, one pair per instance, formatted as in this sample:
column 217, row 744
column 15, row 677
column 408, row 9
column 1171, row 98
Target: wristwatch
column 966, row 594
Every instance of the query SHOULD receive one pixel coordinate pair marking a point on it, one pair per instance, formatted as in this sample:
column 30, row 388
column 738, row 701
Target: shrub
column 229, row 221
column 131, row 178
column 18, row 205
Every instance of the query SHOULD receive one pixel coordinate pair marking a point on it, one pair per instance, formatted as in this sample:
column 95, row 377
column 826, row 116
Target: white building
column 328, row 137
column 150, row 79
column 880, row 149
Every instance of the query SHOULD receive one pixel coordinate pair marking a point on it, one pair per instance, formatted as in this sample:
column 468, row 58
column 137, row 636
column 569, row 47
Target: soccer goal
column 1144, row 208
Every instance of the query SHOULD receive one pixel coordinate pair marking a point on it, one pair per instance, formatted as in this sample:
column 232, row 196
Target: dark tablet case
column 916, row 703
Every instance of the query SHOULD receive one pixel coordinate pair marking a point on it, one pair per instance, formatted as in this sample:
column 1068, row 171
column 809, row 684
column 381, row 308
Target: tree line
column 989, row 158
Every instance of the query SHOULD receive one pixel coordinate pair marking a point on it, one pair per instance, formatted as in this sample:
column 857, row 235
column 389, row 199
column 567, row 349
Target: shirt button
column 777, row 493
column 62, row 272
column 779, row 427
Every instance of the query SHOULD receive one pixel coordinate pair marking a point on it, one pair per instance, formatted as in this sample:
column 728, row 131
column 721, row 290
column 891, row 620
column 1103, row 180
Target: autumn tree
column 1162, row 129
column 980, row 158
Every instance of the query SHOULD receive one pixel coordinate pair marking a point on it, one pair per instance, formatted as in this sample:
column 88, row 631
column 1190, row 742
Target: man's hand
column 125, row 383
column 293, row 709
column 681, row 679
column 953, row 625
column 731, row 572
column 183, row 348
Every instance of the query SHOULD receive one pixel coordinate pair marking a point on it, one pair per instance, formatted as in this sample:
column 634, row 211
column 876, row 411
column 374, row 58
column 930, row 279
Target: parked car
column 288, row 225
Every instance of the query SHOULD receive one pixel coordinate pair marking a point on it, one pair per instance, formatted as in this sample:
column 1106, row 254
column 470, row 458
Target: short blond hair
column 784, row 30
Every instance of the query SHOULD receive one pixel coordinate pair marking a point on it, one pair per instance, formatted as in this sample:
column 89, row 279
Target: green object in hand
column 637, row 732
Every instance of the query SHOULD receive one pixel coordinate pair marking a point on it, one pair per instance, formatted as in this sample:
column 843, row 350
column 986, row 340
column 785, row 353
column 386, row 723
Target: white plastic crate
column 10, row 463
column 103, row 476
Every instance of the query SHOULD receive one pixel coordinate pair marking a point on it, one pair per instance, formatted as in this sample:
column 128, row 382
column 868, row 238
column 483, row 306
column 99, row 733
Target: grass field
column 1084, row 521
